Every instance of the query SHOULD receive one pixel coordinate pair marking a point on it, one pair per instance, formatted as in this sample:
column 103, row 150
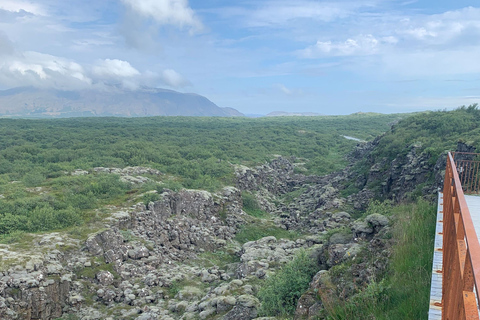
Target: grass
column 217, row 258
column 280, row 293
column 251, row 206
column 403, row 293
column 260, row 229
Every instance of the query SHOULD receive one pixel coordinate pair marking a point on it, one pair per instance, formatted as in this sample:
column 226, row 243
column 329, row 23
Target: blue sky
column 329, row 57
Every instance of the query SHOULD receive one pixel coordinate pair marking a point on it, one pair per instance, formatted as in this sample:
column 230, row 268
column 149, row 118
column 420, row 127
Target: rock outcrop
column 142, row 250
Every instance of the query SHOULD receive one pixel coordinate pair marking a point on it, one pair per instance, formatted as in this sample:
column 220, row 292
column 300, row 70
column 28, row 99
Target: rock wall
column 139, row 245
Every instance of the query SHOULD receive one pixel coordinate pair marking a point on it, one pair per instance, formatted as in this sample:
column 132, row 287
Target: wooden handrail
column 468, row 171
column 461, row 251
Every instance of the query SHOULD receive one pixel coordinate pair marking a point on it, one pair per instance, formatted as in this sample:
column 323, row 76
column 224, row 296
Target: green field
column 192, row 153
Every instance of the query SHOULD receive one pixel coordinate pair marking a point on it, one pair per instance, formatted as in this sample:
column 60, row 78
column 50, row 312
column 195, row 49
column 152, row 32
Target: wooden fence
column 461, row 250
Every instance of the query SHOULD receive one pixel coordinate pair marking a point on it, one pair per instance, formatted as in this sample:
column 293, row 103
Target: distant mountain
column 289, row 114
column 34, row 102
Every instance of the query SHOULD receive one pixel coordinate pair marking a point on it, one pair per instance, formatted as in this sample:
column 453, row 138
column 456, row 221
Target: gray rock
column 377, row 220
column 247, row 300
column 225, row 303
column 241, row 313
column 138, row 253
column 104, row 277
column 206, row 313
column 341, row 217
column 340, row 238
column 361, row 228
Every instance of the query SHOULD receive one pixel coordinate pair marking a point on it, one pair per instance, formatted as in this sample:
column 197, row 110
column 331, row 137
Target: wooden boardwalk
column 473, row 203
column 435, row 310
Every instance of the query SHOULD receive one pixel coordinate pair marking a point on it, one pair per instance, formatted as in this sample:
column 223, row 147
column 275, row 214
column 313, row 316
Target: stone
column 303, row 305
column 377, row 220
column 225, row 303
column 206, row 313
column 75, row 299
column 247, row 300
column 241, row 313
column 54, row 268
column 341, row 217
column 138, row 252
column 104, row 277
column 189, row 293
column 340, row 238
column 361, row 228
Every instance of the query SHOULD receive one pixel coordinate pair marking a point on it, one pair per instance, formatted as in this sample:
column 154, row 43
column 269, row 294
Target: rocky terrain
column 178, row 257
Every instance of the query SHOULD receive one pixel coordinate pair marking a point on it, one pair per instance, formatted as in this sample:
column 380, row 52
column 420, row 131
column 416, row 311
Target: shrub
column 33, row 179
column 281, row 292
column 150, row 197
column 249, row 201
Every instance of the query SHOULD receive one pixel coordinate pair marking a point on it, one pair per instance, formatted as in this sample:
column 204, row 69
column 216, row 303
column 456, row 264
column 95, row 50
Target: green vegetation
column 251, row 206
column 66, row 205
column 403, row 293
column 280, row 293
column 263, row 228
column 432, row 132
column 219, row 258
column 37, row 192
column 97, row 265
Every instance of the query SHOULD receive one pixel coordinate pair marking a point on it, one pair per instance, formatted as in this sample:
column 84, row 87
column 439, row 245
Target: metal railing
column 461, row 251
column 468, row 170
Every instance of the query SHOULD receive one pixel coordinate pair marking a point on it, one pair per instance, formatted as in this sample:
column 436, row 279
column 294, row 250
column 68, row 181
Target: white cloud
column 36, row 69
column 167, row 12
column 42, row 70
column 173, row 79
column 452, row 28
column 421, row 36
column 419, row 33
column 281, row 12
column 360, row 45
column 279, row 87
column 19, row 6
column 115, row 68
column 284, row 89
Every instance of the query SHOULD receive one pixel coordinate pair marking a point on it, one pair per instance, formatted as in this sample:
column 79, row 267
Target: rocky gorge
column 179, row 257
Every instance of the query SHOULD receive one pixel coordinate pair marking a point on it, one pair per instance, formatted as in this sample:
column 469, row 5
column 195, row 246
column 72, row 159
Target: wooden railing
column 461, row 252
column 468, row 171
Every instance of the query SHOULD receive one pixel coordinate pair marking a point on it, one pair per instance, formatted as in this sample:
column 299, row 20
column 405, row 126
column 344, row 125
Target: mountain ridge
column 45, row 103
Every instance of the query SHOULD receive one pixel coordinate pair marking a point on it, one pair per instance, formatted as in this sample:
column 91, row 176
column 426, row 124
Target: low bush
column 280, row 294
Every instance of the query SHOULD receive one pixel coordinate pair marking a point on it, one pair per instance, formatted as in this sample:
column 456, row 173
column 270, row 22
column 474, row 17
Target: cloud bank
column 41, row 70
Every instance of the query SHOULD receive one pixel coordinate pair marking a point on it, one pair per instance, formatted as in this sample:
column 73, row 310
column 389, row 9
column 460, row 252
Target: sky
column 257, row 56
